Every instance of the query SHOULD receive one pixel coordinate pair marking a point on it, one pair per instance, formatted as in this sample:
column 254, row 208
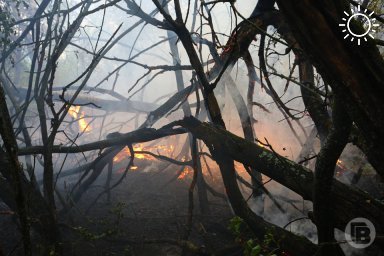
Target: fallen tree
column 286, row 172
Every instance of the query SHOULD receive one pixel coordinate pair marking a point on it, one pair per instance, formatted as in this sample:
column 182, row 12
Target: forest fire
column 141, row 152
column 138, row 148
column 185, row 173
column 128, row 129
column 74, row 111
column 123, row 154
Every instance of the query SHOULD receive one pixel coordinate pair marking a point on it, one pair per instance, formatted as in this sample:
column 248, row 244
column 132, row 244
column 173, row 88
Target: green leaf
column 256, row 250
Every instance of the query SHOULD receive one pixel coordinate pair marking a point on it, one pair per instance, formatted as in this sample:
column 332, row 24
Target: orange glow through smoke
column 164, row 150
column 160, row 149
column 187, row 171
column 74, row 111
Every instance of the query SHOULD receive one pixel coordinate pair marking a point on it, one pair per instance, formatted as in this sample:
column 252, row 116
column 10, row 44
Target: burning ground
column 148, row 212
column 145, row 215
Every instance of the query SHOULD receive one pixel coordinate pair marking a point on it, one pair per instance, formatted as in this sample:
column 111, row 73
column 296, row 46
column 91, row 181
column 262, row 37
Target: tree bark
column 356, row 74
column 291, row 175
column 324, row 172
column 42, row 220
column 16, row 173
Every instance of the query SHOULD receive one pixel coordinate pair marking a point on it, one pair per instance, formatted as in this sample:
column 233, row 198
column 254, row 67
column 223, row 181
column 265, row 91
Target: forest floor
column 146, row 215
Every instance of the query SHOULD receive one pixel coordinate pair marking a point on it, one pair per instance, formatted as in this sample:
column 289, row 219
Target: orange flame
column 74, row 111
column 165, row 150
column 342, row 167
column 159, row 149
column 187, row 171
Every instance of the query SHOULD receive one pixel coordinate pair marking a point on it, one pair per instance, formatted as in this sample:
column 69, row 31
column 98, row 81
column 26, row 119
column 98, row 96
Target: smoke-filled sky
column 129, row 78
column 74, row 61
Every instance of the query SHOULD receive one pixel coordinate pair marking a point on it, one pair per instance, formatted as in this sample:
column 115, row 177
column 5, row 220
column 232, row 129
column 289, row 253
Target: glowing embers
column 146, row 160
column 74, row 111
column 186, row 173
column 340, row 168
column 125, row 153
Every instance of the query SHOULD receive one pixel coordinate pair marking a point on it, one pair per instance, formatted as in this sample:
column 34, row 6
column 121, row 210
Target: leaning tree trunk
column 290, row 174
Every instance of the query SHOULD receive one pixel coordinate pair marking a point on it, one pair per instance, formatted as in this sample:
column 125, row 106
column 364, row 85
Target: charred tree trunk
column 289, row 242
column 16, row 172
column 324, row 172
column 315, row 106
column 43, row 221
